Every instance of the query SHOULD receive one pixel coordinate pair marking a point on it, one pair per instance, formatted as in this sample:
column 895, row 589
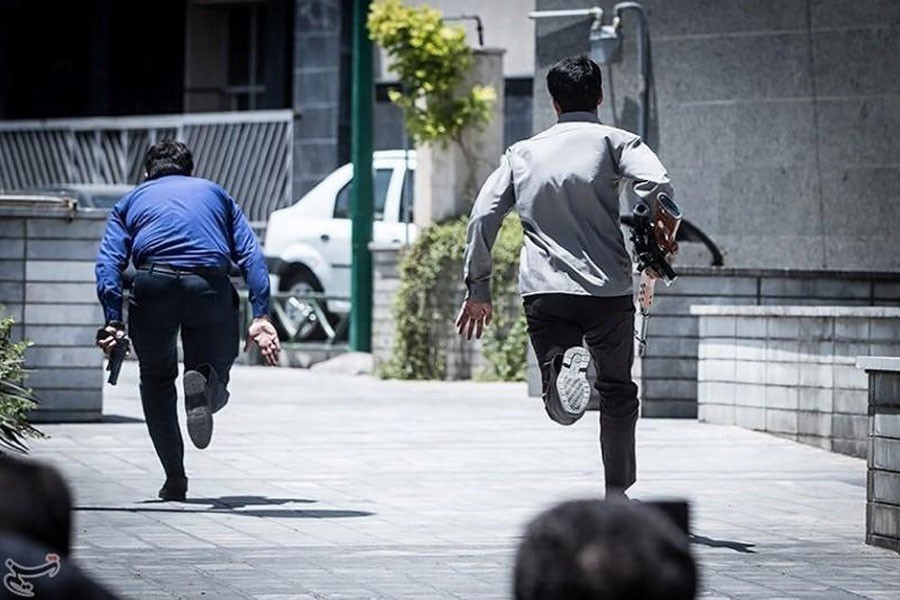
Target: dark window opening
column 237, row 55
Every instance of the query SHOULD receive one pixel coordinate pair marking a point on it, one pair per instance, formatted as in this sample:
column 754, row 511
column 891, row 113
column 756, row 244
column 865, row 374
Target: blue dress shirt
column 182, row 222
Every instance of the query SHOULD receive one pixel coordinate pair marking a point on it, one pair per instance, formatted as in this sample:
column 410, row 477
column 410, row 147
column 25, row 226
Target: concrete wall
column 669, row 367
column 506, row 25
column 448, row 176
column 792, row 371
column 47, row 285
column 779, row 121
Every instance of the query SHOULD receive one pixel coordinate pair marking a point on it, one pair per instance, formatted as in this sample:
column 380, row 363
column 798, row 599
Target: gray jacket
column 564, row 183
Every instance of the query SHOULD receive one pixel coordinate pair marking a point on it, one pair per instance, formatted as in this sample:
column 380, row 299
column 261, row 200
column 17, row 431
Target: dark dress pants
column 205, row 308
column 606, row 325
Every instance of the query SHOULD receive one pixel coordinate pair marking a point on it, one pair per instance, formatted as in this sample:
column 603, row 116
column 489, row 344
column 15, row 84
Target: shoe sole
column 199, row 413
column 571, row 382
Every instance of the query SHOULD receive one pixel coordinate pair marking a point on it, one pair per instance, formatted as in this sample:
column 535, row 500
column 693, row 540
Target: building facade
column 93, row 58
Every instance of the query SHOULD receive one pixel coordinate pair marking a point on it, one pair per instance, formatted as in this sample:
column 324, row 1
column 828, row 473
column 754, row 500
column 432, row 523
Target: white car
column 308, row 245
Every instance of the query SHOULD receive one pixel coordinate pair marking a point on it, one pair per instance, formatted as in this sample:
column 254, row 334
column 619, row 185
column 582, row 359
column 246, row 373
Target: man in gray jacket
column 575, row 273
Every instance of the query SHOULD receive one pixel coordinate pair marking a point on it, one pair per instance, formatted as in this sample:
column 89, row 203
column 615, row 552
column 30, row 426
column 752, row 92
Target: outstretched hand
column 263, row 334
column 473, row 317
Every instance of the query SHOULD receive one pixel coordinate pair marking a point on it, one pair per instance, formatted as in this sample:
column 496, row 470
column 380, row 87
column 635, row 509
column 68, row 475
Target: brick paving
column 321, row 486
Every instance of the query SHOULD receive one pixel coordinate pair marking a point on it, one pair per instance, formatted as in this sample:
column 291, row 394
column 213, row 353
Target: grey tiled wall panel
column 47, row 285
column 776, row 374
column 673, row 333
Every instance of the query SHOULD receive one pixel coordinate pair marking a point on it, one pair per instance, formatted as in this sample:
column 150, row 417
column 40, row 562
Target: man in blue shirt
column 182, row 233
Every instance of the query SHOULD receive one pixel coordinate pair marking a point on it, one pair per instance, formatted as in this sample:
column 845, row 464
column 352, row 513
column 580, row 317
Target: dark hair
column 576, row 83
column 604, row 550
column 35, row 503
column 168, row 157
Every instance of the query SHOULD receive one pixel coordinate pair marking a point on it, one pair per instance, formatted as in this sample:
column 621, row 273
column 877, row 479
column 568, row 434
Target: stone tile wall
column 47, row 285
column 775, row 119
column 317, row 80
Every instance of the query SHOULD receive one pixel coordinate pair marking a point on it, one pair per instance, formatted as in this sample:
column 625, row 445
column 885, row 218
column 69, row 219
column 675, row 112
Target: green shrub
column 15, row 399
column 430, row 272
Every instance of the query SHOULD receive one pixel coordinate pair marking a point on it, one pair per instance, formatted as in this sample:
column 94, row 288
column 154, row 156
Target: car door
column 334, row 241
column 397, row 228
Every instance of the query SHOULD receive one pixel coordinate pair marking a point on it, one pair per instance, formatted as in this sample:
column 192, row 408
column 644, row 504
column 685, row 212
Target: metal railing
column 249, row 153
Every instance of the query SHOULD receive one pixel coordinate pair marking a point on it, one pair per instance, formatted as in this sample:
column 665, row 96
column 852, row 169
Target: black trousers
column 606, row 325
column 205, row 309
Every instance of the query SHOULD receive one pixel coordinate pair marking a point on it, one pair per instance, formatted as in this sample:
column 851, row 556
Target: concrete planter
column 47, row 285
column 790, row 370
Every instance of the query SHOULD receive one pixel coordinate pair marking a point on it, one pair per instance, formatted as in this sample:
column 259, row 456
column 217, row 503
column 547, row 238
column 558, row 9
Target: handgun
column 116, row 355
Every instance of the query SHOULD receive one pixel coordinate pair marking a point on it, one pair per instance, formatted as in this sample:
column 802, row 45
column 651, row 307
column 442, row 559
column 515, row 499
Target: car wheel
column 301, row 314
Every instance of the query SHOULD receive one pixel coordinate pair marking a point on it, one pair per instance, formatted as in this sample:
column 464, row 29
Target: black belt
column 173, row 270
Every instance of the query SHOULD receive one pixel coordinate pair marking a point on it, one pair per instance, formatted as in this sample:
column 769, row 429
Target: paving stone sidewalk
column 321, row 486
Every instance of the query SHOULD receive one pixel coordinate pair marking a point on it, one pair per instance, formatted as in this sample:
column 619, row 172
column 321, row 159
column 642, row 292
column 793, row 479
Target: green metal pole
column 361, row 205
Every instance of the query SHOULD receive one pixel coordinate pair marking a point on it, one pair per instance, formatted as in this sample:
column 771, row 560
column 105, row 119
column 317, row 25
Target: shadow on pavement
column 230, row 504
column 120, row 419
column 736, row 546
column 266, row 513
column 239, row 501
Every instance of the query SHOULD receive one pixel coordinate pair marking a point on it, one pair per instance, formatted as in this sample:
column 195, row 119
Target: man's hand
column 114, row 333
column 473, row 317
column 263, row 334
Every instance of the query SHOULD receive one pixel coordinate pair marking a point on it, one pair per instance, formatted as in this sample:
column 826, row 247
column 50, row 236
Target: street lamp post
column 361, row 207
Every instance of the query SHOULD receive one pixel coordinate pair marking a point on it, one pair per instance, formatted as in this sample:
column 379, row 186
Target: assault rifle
column 653, row 235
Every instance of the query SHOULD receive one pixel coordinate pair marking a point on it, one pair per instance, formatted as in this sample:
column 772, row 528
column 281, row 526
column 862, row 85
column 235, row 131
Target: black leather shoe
column 198, row 407
column 614, row 493
column 218, row 394
column 174, row 489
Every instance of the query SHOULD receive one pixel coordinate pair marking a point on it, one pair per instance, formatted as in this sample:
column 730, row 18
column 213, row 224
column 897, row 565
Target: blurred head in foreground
column 35, row 503
column 604, row 550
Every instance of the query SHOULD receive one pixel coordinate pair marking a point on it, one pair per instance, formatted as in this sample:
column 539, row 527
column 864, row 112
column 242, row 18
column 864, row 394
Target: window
column 382, row 180
column 407, row 199
column 237, row 55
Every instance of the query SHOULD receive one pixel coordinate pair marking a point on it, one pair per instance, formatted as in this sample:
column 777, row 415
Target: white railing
column 249, row 153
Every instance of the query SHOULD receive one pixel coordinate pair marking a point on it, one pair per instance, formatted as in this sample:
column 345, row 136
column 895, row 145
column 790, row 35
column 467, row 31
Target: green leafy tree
column 16, row 400
column 431, row 60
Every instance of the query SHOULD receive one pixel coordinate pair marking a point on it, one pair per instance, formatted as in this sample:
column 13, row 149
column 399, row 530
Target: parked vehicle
column 308, row 245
